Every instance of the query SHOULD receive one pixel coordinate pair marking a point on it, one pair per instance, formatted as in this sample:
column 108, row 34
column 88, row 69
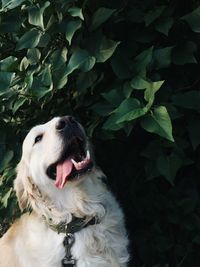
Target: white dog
column 75, row 220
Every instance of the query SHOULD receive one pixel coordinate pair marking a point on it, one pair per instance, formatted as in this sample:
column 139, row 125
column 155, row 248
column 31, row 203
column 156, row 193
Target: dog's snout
column 64, row 122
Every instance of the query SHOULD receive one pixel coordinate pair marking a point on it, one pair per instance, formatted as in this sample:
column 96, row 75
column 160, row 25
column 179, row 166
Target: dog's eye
column 38, row 138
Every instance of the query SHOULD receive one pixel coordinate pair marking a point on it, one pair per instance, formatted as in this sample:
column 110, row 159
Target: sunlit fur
column 30, row 242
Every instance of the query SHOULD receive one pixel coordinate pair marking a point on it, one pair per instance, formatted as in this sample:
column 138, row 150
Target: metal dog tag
column 68, row 242
column 68, row 262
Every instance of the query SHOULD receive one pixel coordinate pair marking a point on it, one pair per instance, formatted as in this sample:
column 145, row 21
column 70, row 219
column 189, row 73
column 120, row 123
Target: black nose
column 64, row 122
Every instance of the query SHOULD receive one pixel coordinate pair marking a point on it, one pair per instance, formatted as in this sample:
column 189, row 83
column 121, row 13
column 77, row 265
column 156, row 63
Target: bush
column 129, row 71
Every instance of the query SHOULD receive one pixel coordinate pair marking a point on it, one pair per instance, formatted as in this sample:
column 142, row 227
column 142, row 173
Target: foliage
column 129, row 71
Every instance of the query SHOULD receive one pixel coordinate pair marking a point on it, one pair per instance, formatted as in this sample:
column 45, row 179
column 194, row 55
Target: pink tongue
column 63, row 170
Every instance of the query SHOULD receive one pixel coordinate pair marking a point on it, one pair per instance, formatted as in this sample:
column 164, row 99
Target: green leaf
column 60, row 77
column 153, row 14
column 71, row 28
column 18, row 104
column 111, row 123
column 128, row 110
column 58, row 58
column 139, row 83
column 158, row 122
column 80, row 59
column 10, row 4
column 6, row 197
column 142, row 61
column 105, row 50
column 132, row 115
column 113, row 97
column 163, row 25
column 6, row 159
column 127, row 105
column 86, row 80
column 24, row 64
column 35, row 14
column 5, row 81
column 103, row 109
column 101, row 16
column 189, row 100
column 194, row 133
column 162, row 57
column 33, row 55
column 121, row 66
column 76, row 12
column 46, row 77
column 168, row 166
column 184, row 53
column 193, row 20
column 150, row 91
column 29, row 40
column 8, row 64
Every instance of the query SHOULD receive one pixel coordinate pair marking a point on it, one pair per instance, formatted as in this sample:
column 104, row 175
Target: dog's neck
column 83, row 199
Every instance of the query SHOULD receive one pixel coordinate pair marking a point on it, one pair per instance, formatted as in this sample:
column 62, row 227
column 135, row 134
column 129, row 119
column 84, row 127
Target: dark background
column 129, row 71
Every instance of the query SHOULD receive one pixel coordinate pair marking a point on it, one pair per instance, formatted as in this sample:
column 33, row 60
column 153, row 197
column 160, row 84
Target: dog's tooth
column 74, row 162
column 88, row 155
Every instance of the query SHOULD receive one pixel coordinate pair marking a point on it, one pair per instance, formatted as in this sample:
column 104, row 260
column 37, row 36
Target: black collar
column 72, row 227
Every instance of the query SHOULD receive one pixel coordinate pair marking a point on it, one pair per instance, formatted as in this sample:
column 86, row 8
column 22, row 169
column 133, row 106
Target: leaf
column 111, row 123
column 8, row 64
column 6, row 197
column 184, row 53
column 103, row 109
column 35, row 14
column 150, row 91
column 132, row 115
column 121, row 66
column 5, row 81
column 128, row 110
column 101, row 16
column 139, row 83
column 158, row 122
column 113, row 97
column 24, row 64
column 168, row 166
column 33, row 55
column 76, row 12
column 163, row 25
column 153, row 14
column 6, row 159
column 189, row 100
column 10, row 4
column 29, row 40
column 194, row 133
column 127, row 105
column 86, row 80
column 142, row 61
column 80, row 59
column 18, row 104
column 60, row 77
column 71, row 28
column 58, row 58
column 193, row 20
column 106, row 50
column 162, row 57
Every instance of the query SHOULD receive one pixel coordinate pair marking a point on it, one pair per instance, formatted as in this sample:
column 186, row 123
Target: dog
column 74, row 221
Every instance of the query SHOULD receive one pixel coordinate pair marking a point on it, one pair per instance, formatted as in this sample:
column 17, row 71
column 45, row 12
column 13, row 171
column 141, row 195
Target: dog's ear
column 21, row 185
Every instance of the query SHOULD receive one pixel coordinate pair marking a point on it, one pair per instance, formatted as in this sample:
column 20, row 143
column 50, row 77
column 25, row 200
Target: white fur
column 30, row 242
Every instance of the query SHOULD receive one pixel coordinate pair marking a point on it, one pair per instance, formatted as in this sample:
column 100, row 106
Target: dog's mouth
column 75, row 161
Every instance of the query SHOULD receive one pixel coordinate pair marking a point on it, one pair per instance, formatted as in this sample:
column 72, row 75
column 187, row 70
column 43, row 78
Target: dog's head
column 57, row 150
